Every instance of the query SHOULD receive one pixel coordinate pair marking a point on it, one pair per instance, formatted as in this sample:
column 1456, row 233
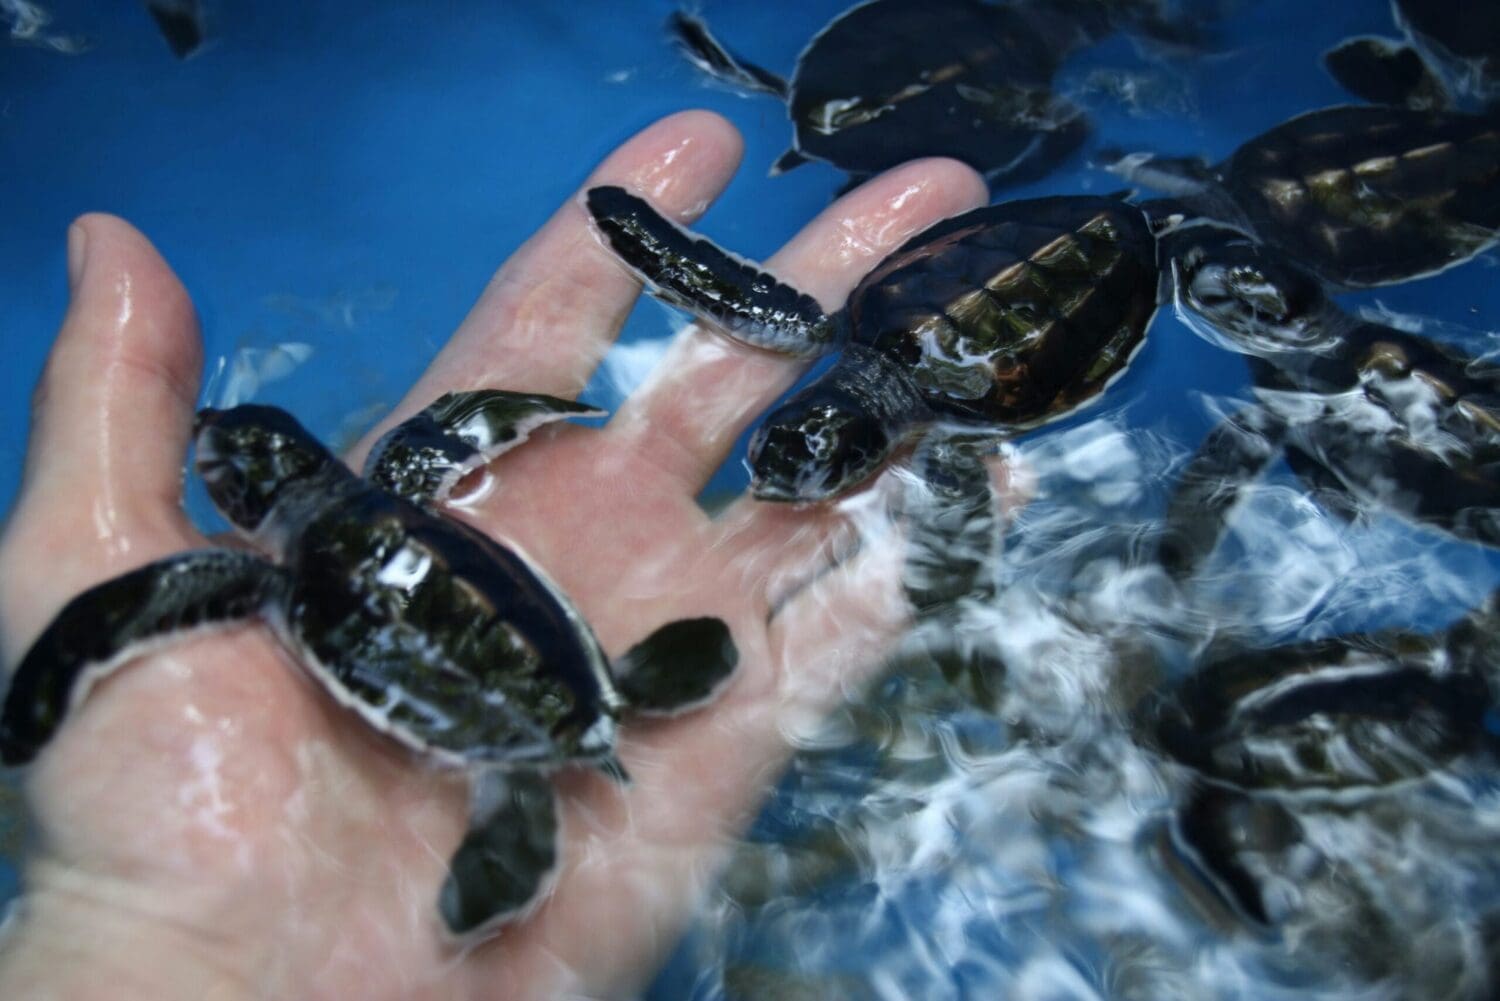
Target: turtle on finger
column 1002, row 318
column 432, row 633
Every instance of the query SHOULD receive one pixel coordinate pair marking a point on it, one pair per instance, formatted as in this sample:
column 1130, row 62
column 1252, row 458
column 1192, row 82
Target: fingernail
column 78, row 252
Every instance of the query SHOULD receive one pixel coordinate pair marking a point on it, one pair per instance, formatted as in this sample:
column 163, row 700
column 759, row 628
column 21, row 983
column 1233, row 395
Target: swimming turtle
column 1004, row 317
column 1364, row 412
column 891, row 80
column 1361, row 195
column 454, row 645
column 1352, row 716
column 1451, row 53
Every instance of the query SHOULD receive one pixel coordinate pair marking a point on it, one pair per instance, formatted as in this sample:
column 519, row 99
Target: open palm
column 210, row 824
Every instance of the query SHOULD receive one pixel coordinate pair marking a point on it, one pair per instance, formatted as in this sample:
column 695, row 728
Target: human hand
column 211, row 824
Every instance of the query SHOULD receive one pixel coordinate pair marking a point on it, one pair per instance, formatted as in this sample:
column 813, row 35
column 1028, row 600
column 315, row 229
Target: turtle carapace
column 1360, row 195
column 892, row 80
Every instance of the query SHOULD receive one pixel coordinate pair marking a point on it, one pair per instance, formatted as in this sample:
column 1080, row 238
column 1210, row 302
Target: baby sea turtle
column 1364, row 412
column 1450, row 55
column 891, row 80
column 435, row 634
column 1330, row 719
column 1006, row 317
column 1360, row 195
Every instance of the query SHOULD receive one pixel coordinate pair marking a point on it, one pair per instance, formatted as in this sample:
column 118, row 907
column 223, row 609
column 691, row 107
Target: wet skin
column 209, row 823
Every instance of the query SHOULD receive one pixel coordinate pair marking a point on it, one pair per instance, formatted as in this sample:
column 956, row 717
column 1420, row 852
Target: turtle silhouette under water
column 1262, row 730
column 433, row 633
column 891, row 80
column 1450, row 56
column 1365, row 413
column 1360, row 195
column 1002, row 318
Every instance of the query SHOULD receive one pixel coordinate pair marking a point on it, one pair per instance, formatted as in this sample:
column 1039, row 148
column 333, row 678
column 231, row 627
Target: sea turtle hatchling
column 1265, row 731
column 891, row 80
column 1366, row 413
column 1360, row 195
column 435, row 634
column 1001, row 318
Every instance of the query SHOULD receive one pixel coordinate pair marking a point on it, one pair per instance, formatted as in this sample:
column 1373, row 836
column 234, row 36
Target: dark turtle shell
column 1339, row 713
column 1402, row 422
column 892, row 80
column 1014, row 313
column 445, row 638
column 1371, row 195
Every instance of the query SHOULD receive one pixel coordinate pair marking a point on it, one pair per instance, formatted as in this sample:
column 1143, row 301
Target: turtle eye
column 1252, row 287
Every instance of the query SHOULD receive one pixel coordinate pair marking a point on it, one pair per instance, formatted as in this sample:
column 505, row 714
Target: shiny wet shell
column 1372, row 195
column 418, row 620
column 1015, row 313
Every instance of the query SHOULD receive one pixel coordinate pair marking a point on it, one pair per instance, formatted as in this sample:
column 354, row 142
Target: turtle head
column 1260, row 302
column 815, row 449
column 249, row 455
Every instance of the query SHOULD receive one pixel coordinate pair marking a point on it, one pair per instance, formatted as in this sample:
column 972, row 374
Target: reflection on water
column 998, row 817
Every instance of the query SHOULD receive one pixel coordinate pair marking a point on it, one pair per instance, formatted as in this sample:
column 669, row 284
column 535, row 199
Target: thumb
column 110, row 423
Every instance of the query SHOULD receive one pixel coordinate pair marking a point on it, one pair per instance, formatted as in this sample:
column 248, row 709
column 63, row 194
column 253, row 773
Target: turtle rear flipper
column 423, row 457
column 108, row 624
column 794, row 158
column 180, row 23
column 679, row 667
column 707, row 53
column 1234, row 453
column 507, row 855
column 1382, row 71
column 693, row 274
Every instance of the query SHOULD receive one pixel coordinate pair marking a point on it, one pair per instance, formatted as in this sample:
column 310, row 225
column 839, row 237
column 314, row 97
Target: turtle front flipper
column 707, row 53
column 422, row 458
column 679, row 667
column 1382, row 71
column 108, row 624
column 507, row 855
column 1217, row 834
column 954, row 533
column 1234, row 454
column 1181, row 176
column 693, row 274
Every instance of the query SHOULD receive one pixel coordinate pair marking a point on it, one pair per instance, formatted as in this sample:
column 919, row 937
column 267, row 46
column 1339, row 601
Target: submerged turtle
column 1006, row 317
column 1328, row 719
column 892, row 80
column 1451, row 53
column 1367, row 413
column 435, row 634
column 1360, row 195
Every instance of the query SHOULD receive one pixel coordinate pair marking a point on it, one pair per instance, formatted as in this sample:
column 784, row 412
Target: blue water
column 348, row 174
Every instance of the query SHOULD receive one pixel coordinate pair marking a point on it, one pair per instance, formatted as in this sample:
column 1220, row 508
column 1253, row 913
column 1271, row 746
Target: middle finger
column 708, row 387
